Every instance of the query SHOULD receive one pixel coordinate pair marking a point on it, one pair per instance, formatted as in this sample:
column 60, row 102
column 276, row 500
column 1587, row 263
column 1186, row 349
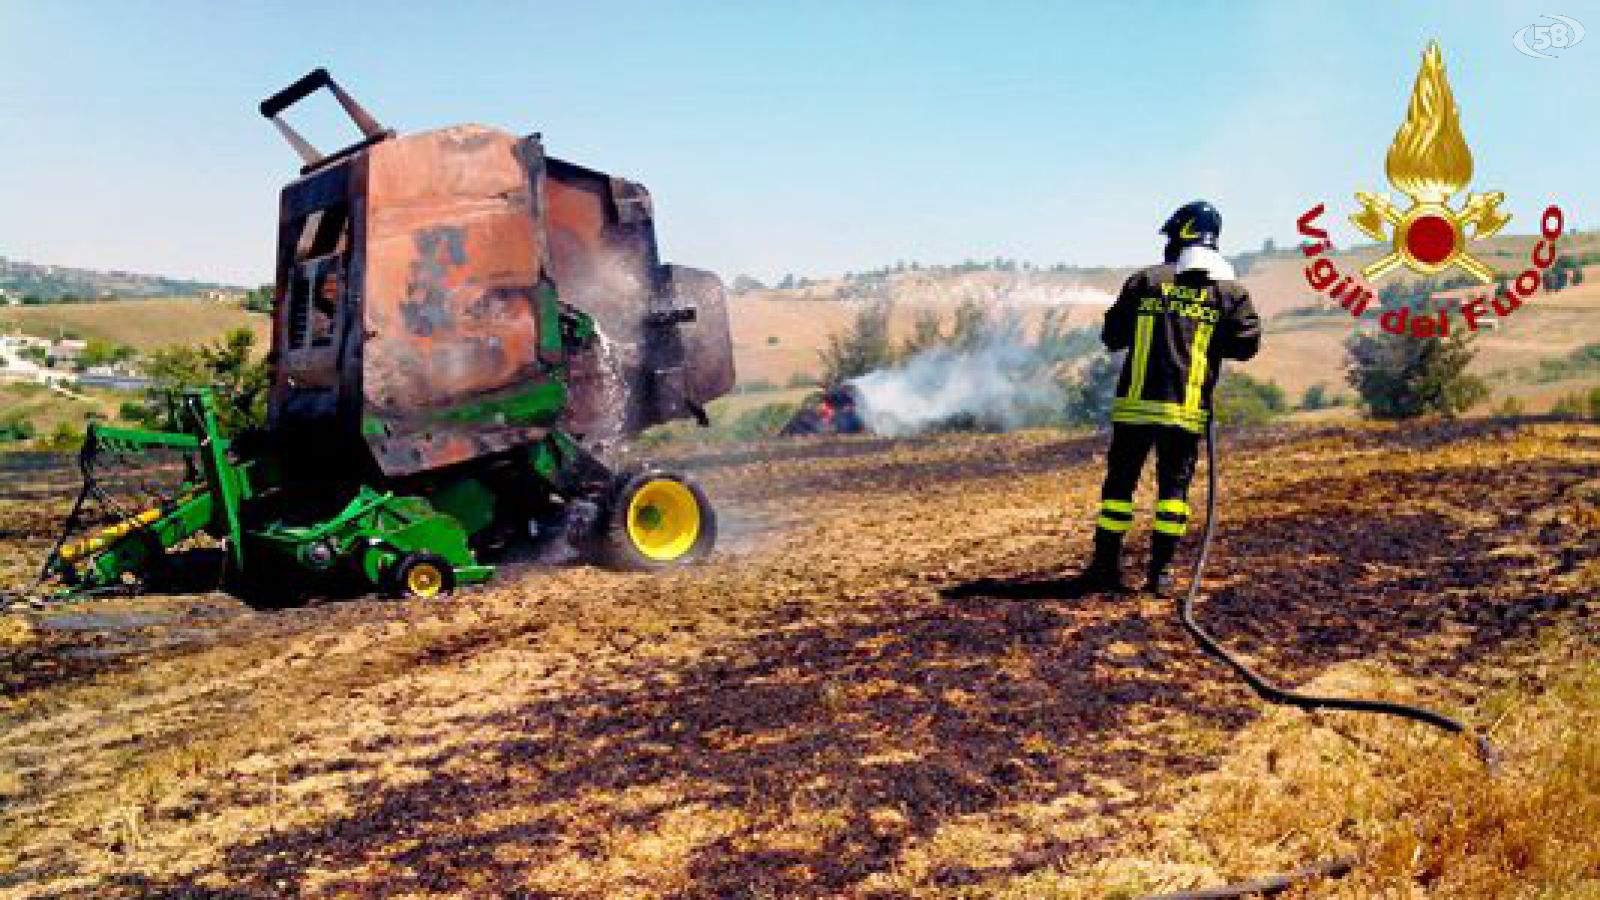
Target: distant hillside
column 144, row 325
column 778, row 332
column 35, row 282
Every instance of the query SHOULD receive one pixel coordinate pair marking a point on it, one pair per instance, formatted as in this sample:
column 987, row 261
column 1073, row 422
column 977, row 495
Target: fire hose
column 1274, row 694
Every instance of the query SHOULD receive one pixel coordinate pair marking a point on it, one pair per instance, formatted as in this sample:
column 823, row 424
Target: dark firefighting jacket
column 1176, row 328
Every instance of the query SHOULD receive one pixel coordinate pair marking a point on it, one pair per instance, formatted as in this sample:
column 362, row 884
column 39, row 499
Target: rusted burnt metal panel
column 707, row 339
column 607, row 269
column 451, row 284
column 603, row 255
column 420, row 281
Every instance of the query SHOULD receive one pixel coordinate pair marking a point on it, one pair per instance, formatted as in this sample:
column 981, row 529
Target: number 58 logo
column 1560, row 34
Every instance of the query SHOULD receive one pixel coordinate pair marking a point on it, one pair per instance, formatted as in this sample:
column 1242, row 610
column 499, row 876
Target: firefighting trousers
column 1176, row 452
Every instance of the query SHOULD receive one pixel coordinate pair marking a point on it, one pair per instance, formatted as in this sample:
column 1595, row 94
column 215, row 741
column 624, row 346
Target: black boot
column 1103, row 575
column 1162, row 548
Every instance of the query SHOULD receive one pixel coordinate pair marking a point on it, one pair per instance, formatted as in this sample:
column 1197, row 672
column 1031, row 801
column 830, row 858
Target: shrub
column 1316, row 397
column 1568, row 407
column 1089, row 395
column 1243, row 400
column 64, row 438
column 1594, row 404
column 1401, row 377
column 15, row 427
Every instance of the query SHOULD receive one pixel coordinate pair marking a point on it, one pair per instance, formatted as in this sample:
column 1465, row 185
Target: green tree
column 1401, row 377
column 863, row 347
column 228, row 366
column 1594, row 404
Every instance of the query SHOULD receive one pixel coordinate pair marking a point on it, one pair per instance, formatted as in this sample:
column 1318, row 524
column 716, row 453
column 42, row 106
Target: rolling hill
column 778, row 333
column 144, row 325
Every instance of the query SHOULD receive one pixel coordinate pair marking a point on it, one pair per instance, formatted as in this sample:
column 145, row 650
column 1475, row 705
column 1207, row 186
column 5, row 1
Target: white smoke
column 998, row 383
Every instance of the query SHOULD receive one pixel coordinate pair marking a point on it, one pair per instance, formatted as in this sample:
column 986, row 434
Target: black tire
column 633, row 538
column 420, row 576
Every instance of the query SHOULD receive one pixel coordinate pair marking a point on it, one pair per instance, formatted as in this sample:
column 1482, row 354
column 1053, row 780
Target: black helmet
column 1194, row 223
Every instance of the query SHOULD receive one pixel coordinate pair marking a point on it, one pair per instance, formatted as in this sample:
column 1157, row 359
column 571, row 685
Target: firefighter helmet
column 1194, row 223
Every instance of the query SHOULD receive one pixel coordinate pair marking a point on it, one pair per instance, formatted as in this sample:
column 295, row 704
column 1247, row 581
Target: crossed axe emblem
column 1430, row 236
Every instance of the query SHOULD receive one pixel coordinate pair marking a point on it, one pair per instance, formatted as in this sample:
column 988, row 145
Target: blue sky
column 813, row 137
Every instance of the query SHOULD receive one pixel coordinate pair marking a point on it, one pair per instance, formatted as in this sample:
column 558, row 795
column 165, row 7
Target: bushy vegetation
column 1401, row 377
column 1582, row 361
column 104, row 353
column 1578, row 406
column 1319, row 396
column 862, row 347
column 761, row 422
column 259, row 299
column 229, row 366
column 15, row 427
column 1091, row 390
column 1244, row 400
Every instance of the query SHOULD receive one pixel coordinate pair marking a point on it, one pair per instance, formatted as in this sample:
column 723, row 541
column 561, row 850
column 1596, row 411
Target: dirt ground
column 876, row 688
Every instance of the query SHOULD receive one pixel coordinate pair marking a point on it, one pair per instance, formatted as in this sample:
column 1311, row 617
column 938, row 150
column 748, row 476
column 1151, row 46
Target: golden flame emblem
column 1430, row 162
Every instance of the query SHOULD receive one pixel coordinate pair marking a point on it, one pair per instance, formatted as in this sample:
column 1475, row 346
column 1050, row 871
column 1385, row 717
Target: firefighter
column 1177, row 321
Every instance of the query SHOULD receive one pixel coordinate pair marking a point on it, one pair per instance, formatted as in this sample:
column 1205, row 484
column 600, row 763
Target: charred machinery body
column 461, row 326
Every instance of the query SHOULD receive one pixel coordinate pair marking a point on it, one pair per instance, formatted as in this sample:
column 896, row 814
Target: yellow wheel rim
column 424, row 580
column 663, row 520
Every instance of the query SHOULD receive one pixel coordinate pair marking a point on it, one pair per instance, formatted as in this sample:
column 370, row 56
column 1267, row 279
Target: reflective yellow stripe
column 1141, row 355
column 1197, row 365
column 1172, row 506
column 1165, row 527
column 1117, row 505
column 1111, row 524
column 1156, row 412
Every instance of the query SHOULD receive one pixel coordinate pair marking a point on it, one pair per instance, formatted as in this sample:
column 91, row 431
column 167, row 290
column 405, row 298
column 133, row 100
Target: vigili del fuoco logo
column 1429, row 162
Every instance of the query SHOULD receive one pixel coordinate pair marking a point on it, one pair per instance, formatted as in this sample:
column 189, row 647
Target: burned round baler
column 461, row 326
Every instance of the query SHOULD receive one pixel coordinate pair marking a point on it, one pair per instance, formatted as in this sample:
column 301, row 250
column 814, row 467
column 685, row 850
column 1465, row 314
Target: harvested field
column 876, row 689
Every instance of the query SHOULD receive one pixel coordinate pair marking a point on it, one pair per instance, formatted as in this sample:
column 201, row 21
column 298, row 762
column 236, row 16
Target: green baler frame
column 374, row 531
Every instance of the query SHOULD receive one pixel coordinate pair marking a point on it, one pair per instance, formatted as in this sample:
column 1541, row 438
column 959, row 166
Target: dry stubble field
column 876, row 689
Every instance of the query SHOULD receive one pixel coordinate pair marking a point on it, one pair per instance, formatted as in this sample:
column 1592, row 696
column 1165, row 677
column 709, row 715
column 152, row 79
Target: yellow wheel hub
column 424, row 580
column 663, row 520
